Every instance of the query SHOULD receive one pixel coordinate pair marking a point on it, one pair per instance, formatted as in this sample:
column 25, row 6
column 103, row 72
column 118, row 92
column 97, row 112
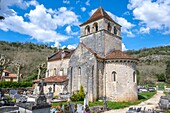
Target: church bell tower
column 101, row 33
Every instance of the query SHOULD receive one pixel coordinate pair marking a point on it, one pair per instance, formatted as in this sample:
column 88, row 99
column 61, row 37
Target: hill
column 28, row 54
column 152, row 60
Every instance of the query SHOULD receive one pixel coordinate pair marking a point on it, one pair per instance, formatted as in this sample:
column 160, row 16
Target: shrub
column 15, row 84
column 78, row 95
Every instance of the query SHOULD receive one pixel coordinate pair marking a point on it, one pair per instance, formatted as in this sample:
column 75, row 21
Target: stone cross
column 41, row 87
column 50, row 89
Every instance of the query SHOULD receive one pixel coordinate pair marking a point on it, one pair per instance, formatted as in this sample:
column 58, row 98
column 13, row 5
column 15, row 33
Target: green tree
column 138, row 76
column 161, row 77
column 81, row 93
column 167, row 71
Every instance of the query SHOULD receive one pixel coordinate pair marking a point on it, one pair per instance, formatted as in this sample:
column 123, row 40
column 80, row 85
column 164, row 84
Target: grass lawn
column 117, row 105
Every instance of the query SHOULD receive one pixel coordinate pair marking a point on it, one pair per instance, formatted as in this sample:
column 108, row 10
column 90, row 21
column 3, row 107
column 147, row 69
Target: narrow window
column 115, row 30
column 87, row 30
column 53, row 87
column 134, row 77
column 95, row 27
column 79, row 70
column 109, row 28
column 47, row 73
column 54, row 73
column 61, row 72
column 114, row 76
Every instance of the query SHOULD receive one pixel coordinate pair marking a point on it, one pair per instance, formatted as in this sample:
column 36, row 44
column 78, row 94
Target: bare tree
column 4, row 62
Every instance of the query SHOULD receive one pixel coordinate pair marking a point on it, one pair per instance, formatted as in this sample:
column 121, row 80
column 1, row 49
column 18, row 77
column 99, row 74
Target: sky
column 145, row 23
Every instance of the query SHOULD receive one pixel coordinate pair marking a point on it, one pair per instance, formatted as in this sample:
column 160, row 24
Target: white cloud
column 70, row 46
column 152, row 14
column 88, row 2
column 70, row 32
column 144, row 30
column 66, row 1
column 83, row 9
column 68, row 29
column 126, row 26
column 41, row 23
column 123, row 47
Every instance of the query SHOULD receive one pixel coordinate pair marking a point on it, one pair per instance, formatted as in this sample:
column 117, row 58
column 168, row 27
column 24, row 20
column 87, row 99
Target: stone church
column 98, row 63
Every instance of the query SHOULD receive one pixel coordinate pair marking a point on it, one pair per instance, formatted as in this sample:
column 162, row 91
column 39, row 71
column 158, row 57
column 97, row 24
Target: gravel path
column 152, row 103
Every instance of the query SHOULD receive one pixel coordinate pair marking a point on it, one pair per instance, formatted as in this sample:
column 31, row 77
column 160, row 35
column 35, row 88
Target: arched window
column 79, row 70
column 53, row 87
column 87, row 30
column 95, row 27
column 61, row 72
column 115, row 30
column 134, row 76
column 109, row 27
column 54, row 73
column 113, row 76
column 47, row 73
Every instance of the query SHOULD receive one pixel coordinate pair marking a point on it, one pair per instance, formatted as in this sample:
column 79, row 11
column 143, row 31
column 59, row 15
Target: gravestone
column 35, row 91
column 72, row 106
column 39, row 106
column 86, row 102
column 80, row 108
column 12, row 93
column 0, row 93
column 49, row 95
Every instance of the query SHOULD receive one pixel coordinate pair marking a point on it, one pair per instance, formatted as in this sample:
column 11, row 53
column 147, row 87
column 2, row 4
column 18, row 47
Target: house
column 7, row 76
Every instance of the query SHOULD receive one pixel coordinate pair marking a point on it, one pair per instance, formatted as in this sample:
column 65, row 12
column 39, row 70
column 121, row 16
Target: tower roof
column 98, row 14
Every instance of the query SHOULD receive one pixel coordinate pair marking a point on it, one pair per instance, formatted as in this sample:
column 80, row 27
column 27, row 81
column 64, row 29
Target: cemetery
column 96, row 77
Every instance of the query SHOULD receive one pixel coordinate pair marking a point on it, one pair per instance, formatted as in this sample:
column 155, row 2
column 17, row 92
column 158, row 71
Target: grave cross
column 41, row 86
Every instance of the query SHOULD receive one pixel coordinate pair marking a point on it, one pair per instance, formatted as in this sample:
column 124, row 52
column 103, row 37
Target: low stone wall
column 20, row 90
column 8, row 108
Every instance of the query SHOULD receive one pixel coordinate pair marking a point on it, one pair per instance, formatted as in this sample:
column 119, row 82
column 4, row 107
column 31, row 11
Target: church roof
column 58, row 55
column 53, row 79
column 117, row 54
column 98, row 14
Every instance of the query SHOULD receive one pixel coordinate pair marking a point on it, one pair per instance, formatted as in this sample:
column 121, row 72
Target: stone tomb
column 39, row 106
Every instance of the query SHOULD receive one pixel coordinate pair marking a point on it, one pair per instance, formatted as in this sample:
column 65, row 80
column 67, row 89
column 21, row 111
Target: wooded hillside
column 152, row 60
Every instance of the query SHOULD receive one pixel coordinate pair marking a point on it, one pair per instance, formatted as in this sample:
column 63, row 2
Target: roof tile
column 53, row 79
column 98, row 14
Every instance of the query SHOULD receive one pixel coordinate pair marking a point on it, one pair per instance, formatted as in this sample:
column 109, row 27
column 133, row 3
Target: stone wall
column 100, row 73
column 58, row 65
column 42, row 110
column 102, row 41
column 124, row 88
column 58, row 88
column 112, row 43
column 83, row 72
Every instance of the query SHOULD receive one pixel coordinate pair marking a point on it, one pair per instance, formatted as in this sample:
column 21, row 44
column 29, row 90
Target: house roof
column 98, row 14
column 58, row 55
column 53, row 79
column 6, row 71
column 10, row 76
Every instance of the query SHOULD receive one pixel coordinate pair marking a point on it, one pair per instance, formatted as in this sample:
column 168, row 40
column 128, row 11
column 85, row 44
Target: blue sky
column 145, row 23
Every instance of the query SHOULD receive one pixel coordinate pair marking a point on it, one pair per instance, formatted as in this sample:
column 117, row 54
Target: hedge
column 15, row 84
